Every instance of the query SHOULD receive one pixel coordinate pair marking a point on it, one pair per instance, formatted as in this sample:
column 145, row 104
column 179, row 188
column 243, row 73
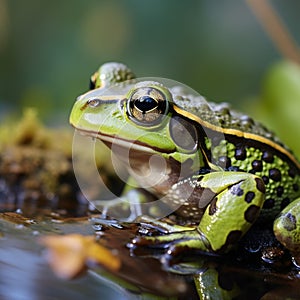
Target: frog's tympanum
column 223, row 171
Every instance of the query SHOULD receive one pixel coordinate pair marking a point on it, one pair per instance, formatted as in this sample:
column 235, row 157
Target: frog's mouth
column 115, row 141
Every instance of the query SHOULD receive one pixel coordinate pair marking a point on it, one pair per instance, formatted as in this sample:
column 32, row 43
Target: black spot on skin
column 289, row 222
column 275, row 174
column 240, row 154
column 265, row 179
column 236, row 190
column 225, row 281
column 233, row 237
column 200, row 178
column 260, row 185
column 224, row 161
column 267, row 157
column 284, row 203
column 249, row 197
column 251, row 213
column 279, row 191
column 269, row 203
column 257, row 165
column 221, row 121
column 296, row 187
column 292, row 172
column 213, row 207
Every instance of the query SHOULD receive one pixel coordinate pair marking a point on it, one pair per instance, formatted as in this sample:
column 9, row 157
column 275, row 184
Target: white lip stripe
column 118, row 142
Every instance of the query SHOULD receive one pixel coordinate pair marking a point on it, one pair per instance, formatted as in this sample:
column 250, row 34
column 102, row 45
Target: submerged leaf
column 68, row 255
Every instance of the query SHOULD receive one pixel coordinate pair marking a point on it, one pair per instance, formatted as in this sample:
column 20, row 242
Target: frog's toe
column 159, row 242
column 149, row 224
column 174, row 243
column 149, row 242
column 145, row 245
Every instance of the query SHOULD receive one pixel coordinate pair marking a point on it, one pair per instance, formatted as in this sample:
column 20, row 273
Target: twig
column 275, row 28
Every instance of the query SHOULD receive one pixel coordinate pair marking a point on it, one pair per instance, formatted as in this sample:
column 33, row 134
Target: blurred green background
column 49, row 49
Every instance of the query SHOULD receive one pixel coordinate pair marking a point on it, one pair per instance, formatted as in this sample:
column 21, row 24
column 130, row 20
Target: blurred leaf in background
column 279, row 102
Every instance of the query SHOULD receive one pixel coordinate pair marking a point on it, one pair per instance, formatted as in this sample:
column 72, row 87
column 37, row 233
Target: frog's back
column 223, row 116
column 247, row 146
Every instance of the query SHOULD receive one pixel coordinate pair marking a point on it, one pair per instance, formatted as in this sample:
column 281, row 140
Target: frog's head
column 141, row 117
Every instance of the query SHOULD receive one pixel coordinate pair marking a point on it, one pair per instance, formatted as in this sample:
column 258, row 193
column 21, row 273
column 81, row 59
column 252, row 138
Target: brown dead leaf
column 68, row 255
column 16, row 218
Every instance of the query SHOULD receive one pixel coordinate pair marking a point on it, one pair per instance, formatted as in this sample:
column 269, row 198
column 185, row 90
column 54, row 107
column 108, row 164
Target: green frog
column 217, row 170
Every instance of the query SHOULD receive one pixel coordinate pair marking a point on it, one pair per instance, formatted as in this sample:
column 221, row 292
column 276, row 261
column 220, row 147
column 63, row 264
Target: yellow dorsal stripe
column 236, row 132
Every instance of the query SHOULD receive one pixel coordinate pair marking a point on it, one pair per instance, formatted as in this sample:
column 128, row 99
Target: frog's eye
column 93, row 102
column 146, row 106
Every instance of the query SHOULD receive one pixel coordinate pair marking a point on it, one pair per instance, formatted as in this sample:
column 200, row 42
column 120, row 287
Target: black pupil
column 145, row 104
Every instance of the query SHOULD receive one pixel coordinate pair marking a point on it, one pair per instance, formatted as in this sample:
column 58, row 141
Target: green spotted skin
column 279, row 174
column 235, row 171
column 277, row 167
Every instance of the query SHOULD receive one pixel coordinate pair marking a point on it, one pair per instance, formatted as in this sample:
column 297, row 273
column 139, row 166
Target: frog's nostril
column 93, row 102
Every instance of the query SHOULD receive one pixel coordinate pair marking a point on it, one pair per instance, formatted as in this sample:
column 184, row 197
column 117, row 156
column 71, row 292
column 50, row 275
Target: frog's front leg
column 229, row 203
